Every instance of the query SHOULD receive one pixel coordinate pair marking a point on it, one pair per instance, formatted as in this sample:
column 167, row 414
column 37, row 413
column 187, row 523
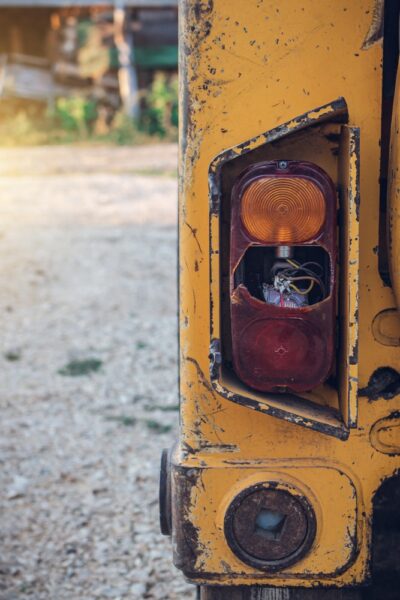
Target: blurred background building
column 102, row 58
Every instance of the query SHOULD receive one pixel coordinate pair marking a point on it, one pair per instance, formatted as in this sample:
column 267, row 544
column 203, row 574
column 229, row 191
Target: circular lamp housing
column 270, row 527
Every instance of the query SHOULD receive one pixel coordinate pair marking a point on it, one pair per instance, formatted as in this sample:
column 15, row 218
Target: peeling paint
column 226, row 446
column 375, row 32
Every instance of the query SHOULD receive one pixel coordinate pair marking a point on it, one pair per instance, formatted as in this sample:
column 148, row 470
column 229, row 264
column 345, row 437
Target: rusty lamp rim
column 278, row 564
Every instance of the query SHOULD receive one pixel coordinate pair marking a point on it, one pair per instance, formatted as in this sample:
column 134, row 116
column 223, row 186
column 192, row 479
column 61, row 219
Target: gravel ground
column 88, row 389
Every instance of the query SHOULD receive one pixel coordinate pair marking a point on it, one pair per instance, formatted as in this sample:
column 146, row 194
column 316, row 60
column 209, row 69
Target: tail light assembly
column 281, row 343
column 283, row 276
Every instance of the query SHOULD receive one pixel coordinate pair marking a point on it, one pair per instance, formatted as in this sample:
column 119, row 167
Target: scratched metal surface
column 245, row 75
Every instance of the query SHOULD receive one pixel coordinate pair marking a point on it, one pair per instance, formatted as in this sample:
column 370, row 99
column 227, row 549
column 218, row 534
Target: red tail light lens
column 283, row 276
column 282, row 351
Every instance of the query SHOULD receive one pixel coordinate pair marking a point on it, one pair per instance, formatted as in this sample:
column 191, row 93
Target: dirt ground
column 88, row 360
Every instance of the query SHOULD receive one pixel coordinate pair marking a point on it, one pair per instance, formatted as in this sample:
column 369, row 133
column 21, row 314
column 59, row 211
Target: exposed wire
column 293, row 263
column 304, row 292
column 285, row 273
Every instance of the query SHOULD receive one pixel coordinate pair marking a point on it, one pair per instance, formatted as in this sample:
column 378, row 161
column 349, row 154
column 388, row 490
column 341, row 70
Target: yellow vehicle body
column 304, row 79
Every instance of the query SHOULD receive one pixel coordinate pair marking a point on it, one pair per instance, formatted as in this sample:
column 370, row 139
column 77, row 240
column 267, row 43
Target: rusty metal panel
column 200, row 538
column 244, row 72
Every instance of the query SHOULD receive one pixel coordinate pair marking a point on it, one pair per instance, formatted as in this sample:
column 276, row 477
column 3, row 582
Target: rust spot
column 186, row 537
column 383, row 383
column 202, row 8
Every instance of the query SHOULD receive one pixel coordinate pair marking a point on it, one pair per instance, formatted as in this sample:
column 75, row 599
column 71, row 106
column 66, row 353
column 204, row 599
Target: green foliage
column 129, row 421
column 75, row 114
column 83, row 30
column 93, row 57
column 77, row 368
column 160, row 114
column 83, row 119
column 125, row 420
column 158, row 427
column 19, row 124
column 162, row 407
column 123, row 130
column 12, row 355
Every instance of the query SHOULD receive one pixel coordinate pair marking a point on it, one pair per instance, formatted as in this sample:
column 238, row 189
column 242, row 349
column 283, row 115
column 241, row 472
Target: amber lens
column 281, row 210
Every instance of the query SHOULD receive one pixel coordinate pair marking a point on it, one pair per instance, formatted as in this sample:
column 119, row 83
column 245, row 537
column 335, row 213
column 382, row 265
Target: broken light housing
column 283, row 276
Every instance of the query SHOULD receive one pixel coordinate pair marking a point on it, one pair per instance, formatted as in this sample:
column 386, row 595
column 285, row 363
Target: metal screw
column 282, row 164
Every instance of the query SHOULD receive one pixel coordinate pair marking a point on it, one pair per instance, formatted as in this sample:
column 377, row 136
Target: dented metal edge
column 340, row 431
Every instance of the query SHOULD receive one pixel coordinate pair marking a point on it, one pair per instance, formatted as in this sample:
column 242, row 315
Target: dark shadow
column 386, row 543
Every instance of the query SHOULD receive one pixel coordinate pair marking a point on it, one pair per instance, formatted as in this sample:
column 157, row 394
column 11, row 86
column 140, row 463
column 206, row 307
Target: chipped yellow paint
column 349, row 296
column 318, row 483
column 248, row 70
